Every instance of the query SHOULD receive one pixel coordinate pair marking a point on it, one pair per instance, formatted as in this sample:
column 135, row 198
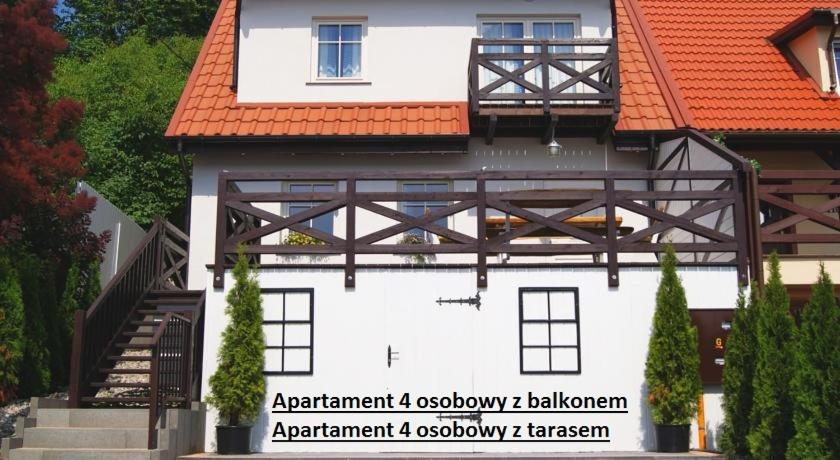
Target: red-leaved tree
column 39, row 157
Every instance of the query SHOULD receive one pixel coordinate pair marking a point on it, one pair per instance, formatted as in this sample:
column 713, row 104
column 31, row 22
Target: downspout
column 182, row 161
column 832, row 66
column 234, row 84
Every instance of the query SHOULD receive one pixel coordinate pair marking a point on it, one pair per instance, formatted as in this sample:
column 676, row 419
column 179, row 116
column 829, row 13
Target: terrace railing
column 580, row 75
column 799, row 208
column 250, row 213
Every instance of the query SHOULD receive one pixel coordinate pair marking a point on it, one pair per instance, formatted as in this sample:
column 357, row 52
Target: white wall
column 125, row 233
column 505, row 154
column 415, row 50
column 448, row 348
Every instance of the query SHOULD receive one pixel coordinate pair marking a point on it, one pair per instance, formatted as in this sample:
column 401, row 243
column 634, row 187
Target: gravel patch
column 18, row 408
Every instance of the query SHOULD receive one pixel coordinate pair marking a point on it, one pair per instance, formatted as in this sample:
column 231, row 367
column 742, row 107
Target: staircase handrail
column 170, row 374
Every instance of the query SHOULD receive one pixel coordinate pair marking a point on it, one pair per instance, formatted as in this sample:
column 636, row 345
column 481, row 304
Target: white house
column 385, row 160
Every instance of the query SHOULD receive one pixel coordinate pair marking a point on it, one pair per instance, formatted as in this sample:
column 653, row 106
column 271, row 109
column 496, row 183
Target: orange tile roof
column 643, row 106
column 208, row 106
column 727, row 72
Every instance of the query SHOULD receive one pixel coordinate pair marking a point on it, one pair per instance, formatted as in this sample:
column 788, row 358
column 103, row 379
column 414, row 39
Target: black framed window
column 288, row 327
column 549, row 331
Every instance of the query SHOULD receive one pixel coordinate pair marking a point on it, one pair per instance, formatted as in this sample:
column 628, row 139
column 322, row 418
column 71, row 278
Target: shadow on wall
column 648, row 439
column 260, row 433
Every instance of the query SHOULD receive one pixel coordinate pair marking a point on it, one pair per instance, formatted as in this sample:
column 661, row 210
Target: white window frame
column 528, row 22
column 314, row 78
column 287, row 207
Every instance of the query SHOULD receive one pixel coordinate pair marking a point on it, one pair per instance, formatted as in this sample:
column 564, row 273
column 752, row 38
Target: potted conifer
column 672, row 371
column 237, row 388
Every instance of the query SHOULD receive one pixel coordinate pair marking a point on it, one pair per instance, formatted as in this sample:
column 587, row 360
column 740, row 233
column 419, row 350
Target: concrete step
column 28, row 453
column 93, row 418
column 86, row 438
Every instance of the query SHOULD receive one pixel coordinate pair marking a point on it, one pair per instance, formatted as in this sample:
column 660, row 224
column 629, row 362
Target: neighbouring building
column 472, row 197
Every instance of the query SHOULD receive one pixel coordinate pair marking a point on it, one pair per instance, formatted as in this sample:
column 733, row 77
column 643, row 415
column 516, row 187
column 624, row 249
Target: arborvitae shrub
column 35, row 376
column 11, row 330
column 815, row 372
column 738, row 374
column 672, row 371
column 237, row 388
column 771, row 421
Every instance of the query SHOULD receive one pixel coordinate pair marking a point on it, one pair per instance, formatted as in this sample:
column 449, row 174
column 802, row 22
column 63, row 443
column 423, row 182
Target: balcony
column 800, row 220
column 546, row 88
column 479, row 219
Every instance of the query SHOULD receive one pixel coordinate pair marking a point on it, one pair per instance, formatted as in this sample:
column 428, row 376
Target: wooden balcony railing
column 575, row 76
column 798, row 208
column 690, row 217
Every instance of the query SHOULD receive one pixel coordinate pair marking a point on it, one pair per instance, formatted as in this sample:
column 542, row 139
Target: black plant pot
column 672, row 438
column 233, row 439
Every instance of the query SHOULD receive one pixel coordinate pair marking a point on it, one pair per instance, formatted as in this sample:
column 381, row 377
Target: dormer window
column 811, row 43
column 338, row 49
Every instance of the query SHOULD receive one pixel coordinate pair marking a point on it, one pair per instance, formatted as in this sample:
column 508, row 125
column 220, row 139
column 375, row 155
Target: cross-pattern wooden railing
column 605, row 191
column 158, row 262
column 798, row 207
column 505, row 71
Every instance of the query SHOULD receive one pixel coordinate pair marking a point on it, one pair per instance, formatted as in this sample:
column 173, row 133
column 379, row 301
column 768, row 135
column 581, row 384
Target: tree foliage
column 738, row 374
column 816, row 379
column 39, row 157
column 672, row 371
column 11, row 330
column 771, row 420
column 92, row 26
column 130, row 92
column 237, row 388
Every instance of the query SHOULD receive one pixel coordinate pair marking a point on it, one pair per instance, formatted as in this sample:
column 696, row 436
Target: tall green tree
column 816, row 380
column 11, row 330
column 94, row 25
column 738, row 374
column 672, row 370
column 237, row 388
column 130, row 92
column 772, row 415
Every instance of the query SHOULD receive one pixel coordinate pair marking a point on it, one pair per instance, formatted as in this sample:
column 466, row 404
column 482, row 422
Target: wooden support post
column 350, row 235
column 739, row 210
column 546, row 80
column 154, row 396
column 481, row 231
column 76, row 371
column 221, row 233
column 612, row 234
column 757, row 249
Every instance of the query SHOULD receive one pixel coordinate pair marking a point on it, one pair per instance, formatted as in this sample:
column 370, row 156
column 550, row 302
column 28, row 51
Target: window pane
column 328, row 60
column 300, row 188
column 491, row 30
column 323, row 187
column 564, row 360
column 297, row 306
column 351, row 60
column 564, row 334
column 297, row 335
column 351, row 33
column 437, row 187
column 297, row 360
column 534, row 306
column 298, row 207
column 514, row 30
column 564, row 30
column 535, row 360
column 272, row 306
column 413, row 187
column 273, row 335
column 543, row 30
column 323, row 223
column 535, row 334
column 274, row 360
column 328, row 32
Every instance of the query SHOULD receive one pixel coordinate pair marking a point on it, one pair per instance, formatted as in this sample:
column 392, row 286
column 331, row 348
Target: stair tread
column 145, row 323
column 138, row 334
column 135, row 345
column 120, row 385
column 111, row 370
column 129, row 358
column 170, row 300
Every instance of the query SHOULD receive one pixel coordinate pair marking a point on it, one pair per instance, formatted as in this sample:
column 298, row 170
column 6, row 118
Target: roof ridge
column 661, row 70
